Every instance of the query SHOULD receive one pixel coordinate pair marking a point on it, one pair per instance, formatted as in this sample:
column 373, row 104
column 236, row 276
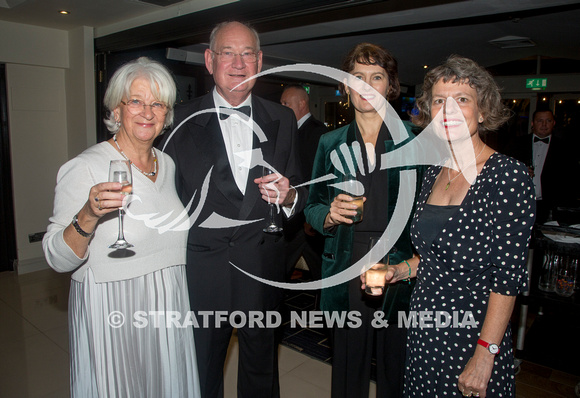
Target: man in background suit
column 301, row 238
column 218, row 166
column 551, row 163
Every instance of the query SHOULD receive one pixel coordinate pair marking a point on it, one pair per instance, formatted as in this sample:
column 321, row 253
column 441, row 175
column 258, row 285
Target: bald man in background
column 301, row 238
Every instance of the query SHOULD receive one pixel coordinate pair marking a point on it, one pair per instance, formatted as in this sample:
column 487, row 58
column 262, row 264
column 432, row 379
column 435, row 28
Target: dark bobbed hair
column 373, row 54
column 457, row 69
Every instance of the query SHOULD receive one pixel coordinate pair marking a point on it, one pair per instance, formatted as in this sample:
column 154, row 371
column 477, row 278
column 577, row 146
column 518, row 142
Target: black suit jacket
column 198, row 149
column 559, row 174
column 308, row 136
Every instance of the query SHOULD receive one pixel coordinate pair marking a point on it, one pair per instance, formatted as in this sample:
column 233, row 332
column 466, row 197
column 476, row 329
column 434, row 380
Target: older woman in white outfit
column 115, row 353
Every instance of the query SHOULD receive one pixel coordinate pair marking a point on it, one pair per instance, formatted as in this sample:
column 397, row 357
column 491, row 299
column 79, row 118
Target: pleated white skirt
column 111, row 358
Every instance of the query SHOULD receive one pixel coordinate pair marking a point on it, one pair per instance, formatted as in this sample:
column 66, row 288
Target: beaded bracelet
column 77, row 227
column 409, row 278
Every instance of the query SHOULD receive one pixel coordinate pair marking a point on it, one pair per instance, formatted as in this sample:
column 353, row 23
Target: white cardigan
column 153, row 249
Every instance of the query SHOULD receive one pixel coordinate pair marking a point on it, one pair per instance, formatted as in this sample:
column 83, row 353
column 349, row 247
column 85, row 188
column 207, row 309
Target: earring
column 117, row 123
column 348, row 97
column 481, row 119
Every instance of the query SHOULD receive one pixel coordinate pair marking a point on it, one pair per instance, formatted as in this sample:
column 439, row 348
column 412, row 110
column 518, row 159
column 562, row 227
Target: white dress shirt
column 303, row 119
column 237, row 139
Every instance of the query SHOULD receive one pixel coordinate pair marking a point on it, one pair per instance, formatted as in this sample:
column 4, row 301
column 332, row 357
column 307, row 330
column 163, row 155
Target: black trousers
column 257, row 363
column 353, row 350
column 310, row 247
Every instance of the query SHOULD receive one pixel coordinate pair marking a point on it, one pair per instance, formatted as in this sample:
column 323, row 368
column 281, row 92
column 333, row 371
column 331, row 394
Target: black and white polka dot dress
column 481, row 248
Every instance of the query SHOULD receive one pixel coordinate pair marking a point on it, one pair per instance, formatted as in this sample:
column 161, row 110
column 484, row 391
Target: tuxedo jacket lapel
column 528, row 151
column 213, row 151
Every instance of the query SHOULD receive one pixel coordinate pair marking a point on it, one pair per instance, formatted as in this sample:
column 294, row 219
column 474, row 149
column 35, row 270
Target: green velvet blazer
column 338, row 244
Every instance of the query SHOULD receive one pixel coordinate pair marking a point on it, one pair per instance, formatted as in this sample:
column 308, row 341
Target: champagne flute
column 120, row 171
column 272, row 227
column 547, row 282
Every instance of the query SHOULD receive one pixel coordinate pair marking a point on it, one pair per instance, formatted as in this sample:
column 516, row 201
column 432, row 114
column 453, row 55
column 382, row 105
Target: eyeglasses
column 229, row 56
column 136, row 106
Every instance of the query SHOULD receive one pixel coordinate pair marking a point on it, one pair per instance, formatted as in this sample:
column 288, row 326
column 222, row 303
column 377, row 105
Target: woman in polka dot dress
column 472, row 239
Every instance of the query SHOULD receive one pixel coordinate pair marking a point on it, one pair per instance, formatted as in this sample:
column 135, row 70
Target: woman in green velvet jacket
column 329, row 210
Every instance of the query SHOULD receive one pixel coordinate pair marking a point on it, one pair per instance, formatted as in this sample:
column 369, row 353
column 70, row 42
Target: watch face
column 493, row 348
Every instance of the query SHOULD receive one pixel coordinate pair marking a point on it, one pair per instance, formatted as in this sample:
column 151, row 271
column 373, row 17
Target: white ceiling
column 416, row 36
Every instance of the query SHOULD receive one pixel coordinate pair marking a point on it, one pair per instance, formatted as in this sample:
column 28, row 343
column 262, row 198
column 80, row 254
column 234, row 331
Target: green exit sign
column 537, row 84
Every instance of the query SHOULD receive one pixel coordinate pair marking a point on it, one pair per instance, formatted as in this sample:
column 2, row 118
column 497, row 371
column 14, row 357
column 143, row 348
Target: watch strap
column 491, row 347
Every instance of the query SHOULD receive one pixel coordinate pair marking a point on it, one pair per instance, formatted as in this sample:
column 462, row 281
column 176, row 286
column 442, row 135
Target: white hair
column 161, row 83
column 220, row 26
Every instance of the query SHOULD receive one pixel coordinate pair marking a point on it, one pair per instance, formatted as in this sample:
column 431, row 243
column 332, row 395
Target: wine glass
column 375, row 276
column 547, row 282
column 272, row 227
column 120, row 171
column 355, row 190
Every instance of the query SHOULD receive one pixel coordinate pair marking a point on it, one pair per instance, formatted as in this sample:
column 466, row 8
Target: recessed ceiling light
column 425, row 66
column 64, row 12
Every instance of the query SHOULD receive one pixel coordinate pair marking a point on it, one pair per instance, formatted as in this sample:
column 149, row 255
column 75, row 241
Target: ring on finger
column 100, row 208
column 475, row 394
column 96, row 198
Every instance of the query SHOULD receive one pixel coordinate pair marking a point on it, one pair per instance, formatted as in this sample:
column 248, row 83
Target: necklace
column 134, row 165
column 461, row 172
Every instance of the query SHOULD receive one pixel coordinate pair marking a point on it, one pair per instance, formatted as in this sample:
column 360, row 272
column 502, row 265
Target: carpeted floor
column 310, row 340
column 314, row 342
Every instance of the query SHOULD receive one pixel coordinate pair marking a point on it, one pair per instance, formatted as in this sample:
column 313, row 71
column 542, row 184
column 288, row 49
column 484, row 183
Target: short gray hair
column 220, row 26
column 161, row 83
column 457, row 69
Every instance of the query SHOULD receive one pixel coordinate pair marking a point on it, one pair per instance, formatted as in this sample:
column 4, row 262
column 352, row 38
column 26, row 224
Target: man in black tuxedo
column 218, row 156
column 551, row 163
column 301, row 238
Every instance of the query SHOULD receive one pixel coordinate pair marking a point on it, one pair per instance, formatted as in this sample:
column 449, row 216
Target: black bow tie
column 544, row 140
column 246, row 110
